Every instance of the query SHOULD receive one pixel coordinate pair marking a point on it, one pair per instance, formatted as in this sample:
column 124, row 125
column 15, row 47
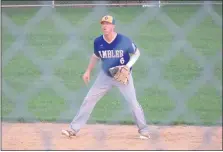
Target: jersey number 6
column 122, row 61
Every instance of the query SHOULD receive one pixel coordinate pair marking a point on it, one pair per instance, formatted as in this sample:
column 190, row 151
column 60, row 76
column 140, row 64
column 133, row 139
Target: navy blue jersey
column 115, row 53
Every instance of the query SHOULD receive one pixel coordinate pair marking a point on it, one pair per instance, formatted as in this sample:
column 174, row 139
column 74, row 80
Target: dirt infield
column 47, row 136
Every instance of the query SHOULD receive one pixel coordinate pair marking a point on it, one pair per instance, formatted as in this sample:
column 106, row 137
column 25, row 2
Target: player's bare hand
column 86, row 77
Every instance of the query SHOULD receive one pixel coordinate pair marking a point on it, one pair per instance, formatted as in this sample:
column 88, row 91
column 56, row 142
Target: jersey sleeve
column 132, row 47
column 96, row 49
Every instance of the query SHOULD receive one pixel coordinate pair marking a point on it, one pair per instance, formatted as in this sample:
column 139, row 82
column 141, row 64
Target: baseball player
column 117, row 54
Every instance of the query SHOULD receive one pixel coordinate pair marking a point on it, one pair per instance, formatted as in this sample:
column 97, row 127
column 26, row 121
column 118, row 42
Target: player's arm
column 133, row 58
column 134, row 55
column 93, row 60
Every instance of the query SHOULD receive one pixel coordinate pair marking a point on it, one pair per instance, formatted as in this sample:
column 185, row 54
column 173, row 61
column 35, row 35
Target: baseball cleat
column 144, row 136
column 68, row 133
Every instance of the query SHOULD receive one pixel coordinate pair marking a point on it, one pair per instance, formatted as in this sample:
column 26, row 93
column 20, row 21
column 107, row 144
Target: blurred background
column 46, row 47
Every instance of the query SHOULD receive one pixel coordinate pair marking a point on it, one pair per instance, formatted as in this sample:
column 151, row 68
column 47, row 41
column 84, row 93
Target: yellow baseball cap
column 108, row 18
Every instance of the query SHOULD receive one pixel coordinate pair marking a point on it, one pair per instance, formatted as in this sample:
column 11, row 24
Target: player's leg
column 128, row 91
column 100, row 87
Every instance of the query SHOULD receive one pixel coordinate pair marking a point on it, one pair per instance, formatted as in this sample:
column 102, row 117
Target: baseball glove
column 120, row 74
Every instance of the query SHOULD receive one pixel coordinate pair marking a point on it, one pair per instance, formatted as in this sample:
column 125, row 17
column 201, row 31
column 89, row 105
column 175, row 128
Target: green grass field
column 154, row 39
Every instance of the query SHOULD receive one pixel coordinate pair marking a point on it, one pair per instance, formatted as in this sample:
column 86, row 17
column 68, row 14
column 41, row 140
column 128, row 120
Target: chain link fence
column 27, row 75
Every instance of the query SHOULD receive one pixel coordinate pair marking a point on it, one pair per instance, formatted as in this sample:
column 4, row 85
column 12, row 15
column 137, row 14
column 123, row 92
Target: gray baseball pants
column 101, row 86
